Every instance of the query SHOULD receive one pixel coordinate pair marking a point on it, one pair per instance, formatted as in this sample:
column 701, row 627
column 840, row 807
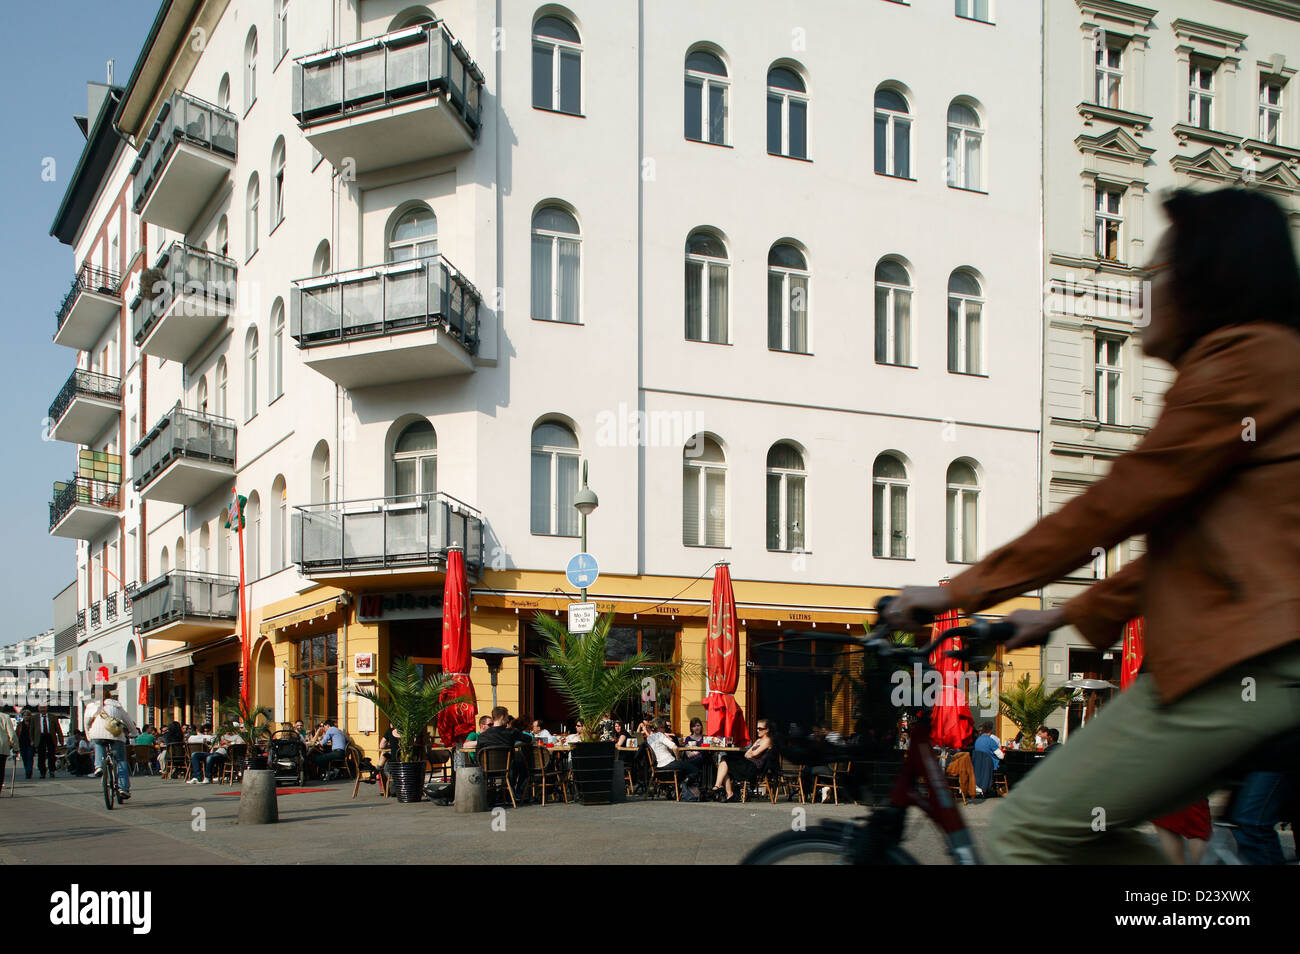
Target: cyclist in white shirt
column 110, row 725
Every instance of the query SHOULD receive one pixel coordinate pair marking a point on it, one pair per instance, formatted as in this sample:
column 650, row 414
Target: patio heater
column 494, row 657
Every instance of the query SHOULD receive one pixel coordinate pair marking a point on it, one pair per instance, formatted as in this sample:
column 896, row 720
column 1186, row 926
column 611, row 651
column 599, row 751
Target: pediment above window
column 1130, row 16
column 1137, row 123
column 1206, row 39
column 1115, row 144
column 1210, row 164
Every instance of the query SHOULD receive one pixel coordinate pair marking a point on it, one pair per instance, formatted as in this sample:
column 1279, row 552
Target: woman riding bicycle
column 1215, row 486
column 109, row 727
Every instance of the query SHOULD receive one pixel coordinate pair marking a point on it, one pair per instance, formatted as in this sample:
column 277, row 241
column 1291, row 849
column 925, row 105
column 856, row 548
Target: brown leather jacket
column 1215, row 486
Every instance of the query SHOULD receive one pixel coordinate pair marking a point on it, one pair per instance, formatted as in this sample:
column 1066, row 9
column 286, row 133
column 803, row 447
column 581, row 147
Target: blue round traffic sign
column 582, row 570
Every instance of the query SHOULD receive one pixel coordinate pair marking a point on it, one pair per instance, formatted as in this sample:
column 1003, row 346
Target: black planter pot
column 255, row 763
column 593, row 771
column 407, row 780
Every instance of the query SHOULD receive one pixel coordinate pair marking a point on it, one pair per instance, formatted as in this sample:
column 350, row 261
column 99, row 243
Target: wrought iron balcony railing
column 110, row 605
column 183, row 118
column 88, row 278
column 180, row 271
column 182, row 594
column 87, row 384
column 181, row 434
column 382, row 532
column 386, row 299
column 82, row 490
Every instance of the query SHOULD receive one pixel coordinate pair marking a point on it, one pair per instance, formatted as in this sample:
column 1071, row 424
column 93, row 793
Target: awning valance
column 296, row 617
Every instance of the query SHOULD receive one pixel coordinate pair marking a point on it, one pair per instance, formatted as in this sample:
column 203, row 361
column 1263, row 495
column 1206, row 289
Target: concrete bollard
column 257, row 800
column 471, row 790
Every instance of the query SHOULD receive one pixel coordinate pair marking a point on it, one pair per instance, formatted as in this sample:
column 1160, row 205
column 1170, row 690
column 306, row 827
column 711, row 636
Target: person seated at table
column 539, row 731
column 576, row 735
column 621, row 738
column 146, row 736
column 203, row 737
column 389, row 746
column 746, row 766
column 484, row 723
column 333, row 749
column 988, row 742
column 316, row 739
column 172, row 734
column 502, row 733
column 664, row 750
column 1053, row 740
column 205, row 765
column 299, row 728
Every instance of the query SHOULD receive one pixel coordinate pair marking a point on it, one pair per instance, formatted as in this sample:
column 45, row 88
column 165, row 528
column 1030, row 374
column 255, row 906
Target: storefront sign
column 363, row 663
column 386, row 607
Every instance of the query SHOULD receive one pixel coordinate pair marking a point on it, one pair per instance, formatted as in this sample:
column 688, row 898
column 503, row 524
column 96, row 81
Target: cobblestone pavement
column 63, row 821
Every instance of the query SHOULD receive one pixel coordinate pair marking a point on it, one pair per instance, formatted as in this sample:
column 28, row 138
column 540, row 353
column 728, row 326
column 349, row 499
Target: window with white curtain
column 164, row 566
column 1270, row 109
column 1108, row 222
column 963, row 512
column 320, row 474
column 277, row 349
column 222, row 409
column 787, row 113
column 1108, row 73
column 320, row 263
column 706, row 98
column 786, row 481
column 556, row 267
column 893, row 313
column 250, row 69
column 223, row 236
column 965, row 328
column 223, row 92
column 893, row 134
column 1109, row 379
column 557, row 66
column 277, row 183
column 414, row 235
column 787, row 299
column 415, row 461
column 250, row 374
column 279, row 524
column 224, row 538
column 965, row 147
column 251, row 225
column 889, row 513
column 707, row 271
column 704, row 493
column 1200, row 93
column 253, row 536
column 554, row 480
column 201, row 395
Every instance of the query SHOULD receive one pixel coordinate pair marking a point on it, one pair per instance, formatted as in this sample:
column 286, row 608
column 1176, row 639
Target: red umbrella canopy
column 1134, row 650
column 143, row 698
column 951, row 723
column 724, row 717
column 456, row 721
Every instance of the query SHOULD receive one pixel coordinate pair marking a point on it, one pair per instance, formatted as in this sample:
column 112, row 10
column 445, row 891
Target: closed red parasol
column 143, row 698
column 951, row 723
column 724, row 717
column 1134, row 650
column 456, row 721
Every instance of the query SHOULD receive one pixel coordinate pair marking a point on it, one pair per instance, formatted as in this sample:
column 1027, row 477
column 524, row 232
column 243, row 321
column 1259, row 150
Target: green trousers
column 1138, row 760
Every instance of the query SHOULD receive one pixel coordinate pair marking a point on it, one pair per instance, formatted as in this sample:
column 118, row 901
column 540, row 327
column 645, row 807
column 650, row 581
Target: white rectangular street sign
column 582, row 617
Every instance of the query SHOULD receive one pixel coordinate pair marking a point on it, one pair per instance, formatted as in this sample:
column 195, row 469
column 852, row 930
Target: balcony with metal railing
column 186, row 606
column 93, row 301
column 186, row 156
column 185, row 457
column 184, row 298
column 82, row 508
column 384, row 536
column 408, row 95
column 404, row 321
column 86, row 405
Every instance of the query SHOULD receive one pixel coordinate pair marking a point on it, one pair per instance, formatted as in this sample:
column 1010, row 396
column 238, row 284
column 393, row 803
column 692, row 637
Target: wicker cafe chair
column 788, row 778
column 494, row 761
column 190, row 749
column 144, row 756
column 658, row 779
column 175, row 762
column 545, row 771
column 839, row 771
column 232, row 770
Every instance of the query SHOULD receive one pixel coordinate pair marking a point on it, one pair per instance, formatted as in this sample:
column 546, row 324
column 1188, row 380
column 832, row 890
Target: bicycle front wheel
column 108, row 778
column 815, row 847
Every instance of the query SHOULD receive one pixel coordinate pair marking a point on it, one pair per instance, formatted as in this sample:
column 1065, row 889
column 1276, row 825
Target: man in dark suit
column 49, row 739
column 27, row 738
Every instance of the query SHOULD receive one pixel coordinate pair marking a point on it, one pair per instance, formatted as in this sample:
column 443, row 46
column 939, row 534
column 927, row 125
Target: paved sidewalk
column 63, row 821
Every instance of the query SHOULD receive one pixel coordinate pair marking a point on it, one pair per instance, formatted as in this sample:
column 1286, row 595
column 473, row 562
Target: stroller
column 287, row 757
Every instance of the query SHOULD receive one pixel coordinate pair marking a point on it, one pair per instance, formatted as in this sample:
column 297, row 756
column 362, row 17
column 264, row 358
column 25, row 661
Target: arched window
column 281, row 29
column 277, row 183
column 251, row 228
column 180, row 553
column 706, row 98
column 164, row 562
column 250, row 374
column 706, row 287
column 557, row 65
column 223, row 92
column 410, row 18
column 893, row 134
column 965, row 329
column 205, row 546
column 785, row 497
column 320, row 474
column 320, row 262
column 250, row 69
column 787, row 299
column 414, row 235
column 963, row 512
column 222, row 409
column 893, row 313
column 223, row 236
column 277, row 349
column 557, row 257
column 965, row 147
column 554, row 480
column 253, row 536
column 201, row 395
column 415, row 461
column 889, row 514
column 787, row 113
column 224, row 542
column 279, row 524
column 704, row 493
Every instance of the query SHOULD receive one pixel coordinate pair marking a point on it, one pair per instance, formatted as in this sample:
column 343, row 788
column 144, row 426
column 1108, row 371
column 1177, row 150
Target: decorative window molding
column 1134, row 123
column 1117, row 145
column 1209, row 165
column 1208, row 40
column 1128, row 15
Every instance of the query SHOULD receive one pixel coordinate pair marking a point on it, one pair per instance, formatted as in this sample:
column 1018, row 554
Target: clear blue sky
column 50, row 50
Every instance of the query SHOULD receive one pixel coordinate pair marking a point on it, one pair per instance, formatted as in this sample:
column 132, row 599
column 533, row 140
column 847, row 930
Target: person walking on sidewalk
column 8, row 742
column 49, row 739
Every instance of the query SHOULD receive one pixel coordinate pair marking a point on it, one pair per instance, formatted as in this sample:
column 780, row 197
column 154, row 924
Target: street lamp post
column 585, row 501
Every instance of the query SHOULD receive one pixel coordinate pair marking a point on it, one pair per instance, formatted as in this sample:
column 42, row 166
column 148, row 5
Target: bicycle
column 877, row 839
column 112, row 792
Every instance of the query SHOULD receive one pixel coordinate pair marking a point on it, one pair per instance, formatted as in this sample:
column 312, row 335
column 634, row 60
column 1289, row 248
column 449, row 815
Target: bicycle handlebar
column 977, row 637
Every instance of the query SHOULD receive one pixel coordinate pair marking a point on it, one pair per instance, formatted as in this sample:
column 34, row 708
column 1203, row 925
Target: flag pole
column 238, row 518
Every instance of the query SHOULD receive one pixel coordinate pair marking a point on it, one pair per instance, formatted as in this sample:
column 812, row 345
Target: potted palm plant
column 576, row 666
column 249, row 722
column 1029, row 706
column 411, row 705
